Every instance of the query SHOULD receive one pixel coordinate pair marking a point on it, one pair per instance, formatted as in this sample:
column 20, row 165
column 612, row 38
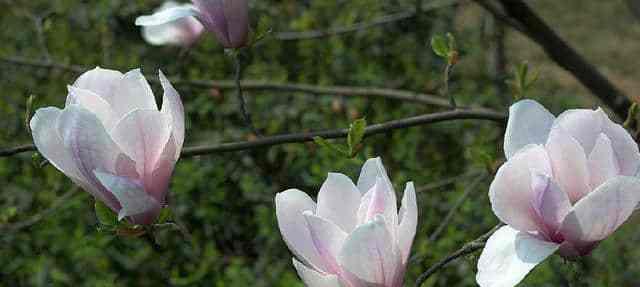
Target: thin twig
column 243, row 103
column 466, row 249
column 447, row 181
column 327, row 134
column 468, row 189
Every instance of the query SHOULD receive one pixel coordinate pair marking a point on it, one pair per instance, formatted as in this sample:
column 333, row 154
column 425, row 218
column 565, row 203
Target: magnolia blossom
column 228, row 20
column 354, row 236
column 112, row 140
column 181, row 32
column 568, row 183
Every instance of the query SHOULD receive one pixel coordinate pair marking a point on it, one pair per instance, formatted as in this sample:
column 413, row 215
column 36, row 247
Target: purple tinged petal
column 338, row 201
column 529, row 123
column 93, row 103
column 569, row 163
column 327, row 239
column 132, row 92
column 551, row 205
column 313, row 278
column 379, row 201
column 172, row 106
column 603, row 163
column 236, row 13
column 168, row 15
column 181, row 32
column 583, row 125
column 212, row 15
column 511, row 191
column 370, row 254
column 601, row 212
column 408, row 217
column 132, row 197
column 509, row 255
column 624, row 148
column 101, row 82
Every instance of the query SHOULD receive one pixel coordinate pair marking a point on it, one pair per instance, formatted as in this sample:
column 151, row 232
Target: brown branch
column 328, row 134
column 257, row 85
column 468, row 248
column 562, row 54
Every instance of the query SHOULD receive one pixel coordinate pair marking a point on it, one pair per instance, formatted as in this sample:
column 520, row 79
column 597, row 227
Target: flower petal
column 624, row 148
column 130, row 193
column 93, row 103
column 511, row 191
column 213, row 17
column 338, row 201
column 371, row 254
column 181, row 32
column 509, row 255
column 529, row 123
column 550, row 203
column 408, row 217
column 601, row 212
column 237, row 14
column 603, row 163
column 101, row 82
column 371, row 170
column 172, row 106
column 167, row 15
column 569, row 163
column 290, row 206
column 132, row 92
column 313, row 278
column 327, row 238
column 583, row 125
column 142, row 135
column 379, row 201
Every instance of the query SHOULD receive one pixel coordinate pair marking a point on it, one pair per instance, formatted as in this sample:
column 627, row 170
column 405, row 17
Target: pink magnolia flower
column 112, row 140
column 181, row 32
column 228, row 20
column 354, row 235
column 568, row 183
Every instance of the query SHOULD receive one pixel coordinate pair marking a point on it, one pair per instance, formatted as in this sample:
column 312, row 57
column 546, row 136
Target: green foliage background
column 226, row 200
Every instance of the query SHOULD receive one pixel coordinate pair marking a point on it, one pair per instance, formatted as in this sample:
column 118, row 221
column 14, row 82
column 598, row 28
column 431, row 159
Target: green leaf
column 165, row 215
column 440, row 46
column 105, row 215
column 356, row 133
column 324, row 143
column 451, row 41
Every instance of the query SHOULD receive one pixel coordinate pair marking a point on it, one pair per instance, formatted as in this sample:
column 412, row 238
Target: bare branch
column 328, row 134
column 466, row 249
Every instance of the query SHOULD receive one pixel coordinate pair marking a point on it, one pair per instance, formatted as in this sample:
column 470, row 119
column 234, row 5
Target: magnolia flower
column 180, row 32
column 354, row 235
column 568, row 183
column 112, row 140
column 228, row 20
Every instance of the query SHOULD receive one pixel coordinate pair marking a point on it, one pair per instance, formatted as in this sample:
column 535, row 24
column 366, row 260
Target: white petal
column 569, row 163
column 93, row 103
column 371, row 254
column 327, row 239
column 101, row 82
column 338, row 201
column 172, row 105
column 371, row 170
column 624, row 147
column 408, row 217
column 290, row 206
column 379, row 201
column 133, row 92
column 130, row 194
column 167, row 15
column 509, row 255
column 583, row 125
column 142, row 135
column 602, row 211
column 603, row 163
column 511, row 191
column 529, row 123
column 313, row 278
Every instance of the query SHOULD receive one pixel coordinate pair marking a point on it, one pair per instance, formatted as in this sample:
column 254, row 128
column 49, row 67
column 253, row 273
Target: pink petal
column 601, row 212
column 624, row 148
column 101, row 82
column 182, row 31
column 511, row 191
column 551, row 205
column 370, row 254
column 583, row 125
column 142, row 135
column 509, row 255
column 408, row 217
column 157, row 184
column 237, row 14
column 172, row 106
column 338, row 201
column 132, row 197
column 132, row 92
column 529, row 123
column 569, row 162
column 327, row 239
column 372, row 169
column 213, row 17
column 603, row 163
column 93, row 103
column 313, row 278
column 379, row 201
column 290, row 206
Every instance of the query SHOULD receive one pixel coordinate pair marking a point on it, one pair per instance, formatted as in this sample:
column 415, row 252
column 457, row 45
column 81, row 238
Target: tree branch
column 466, row 249
column 562, row 54
column 328, row 134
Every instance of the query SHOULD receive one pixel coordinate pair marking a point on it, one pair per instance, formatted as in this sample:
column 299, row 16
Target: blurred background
column 48, row 230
